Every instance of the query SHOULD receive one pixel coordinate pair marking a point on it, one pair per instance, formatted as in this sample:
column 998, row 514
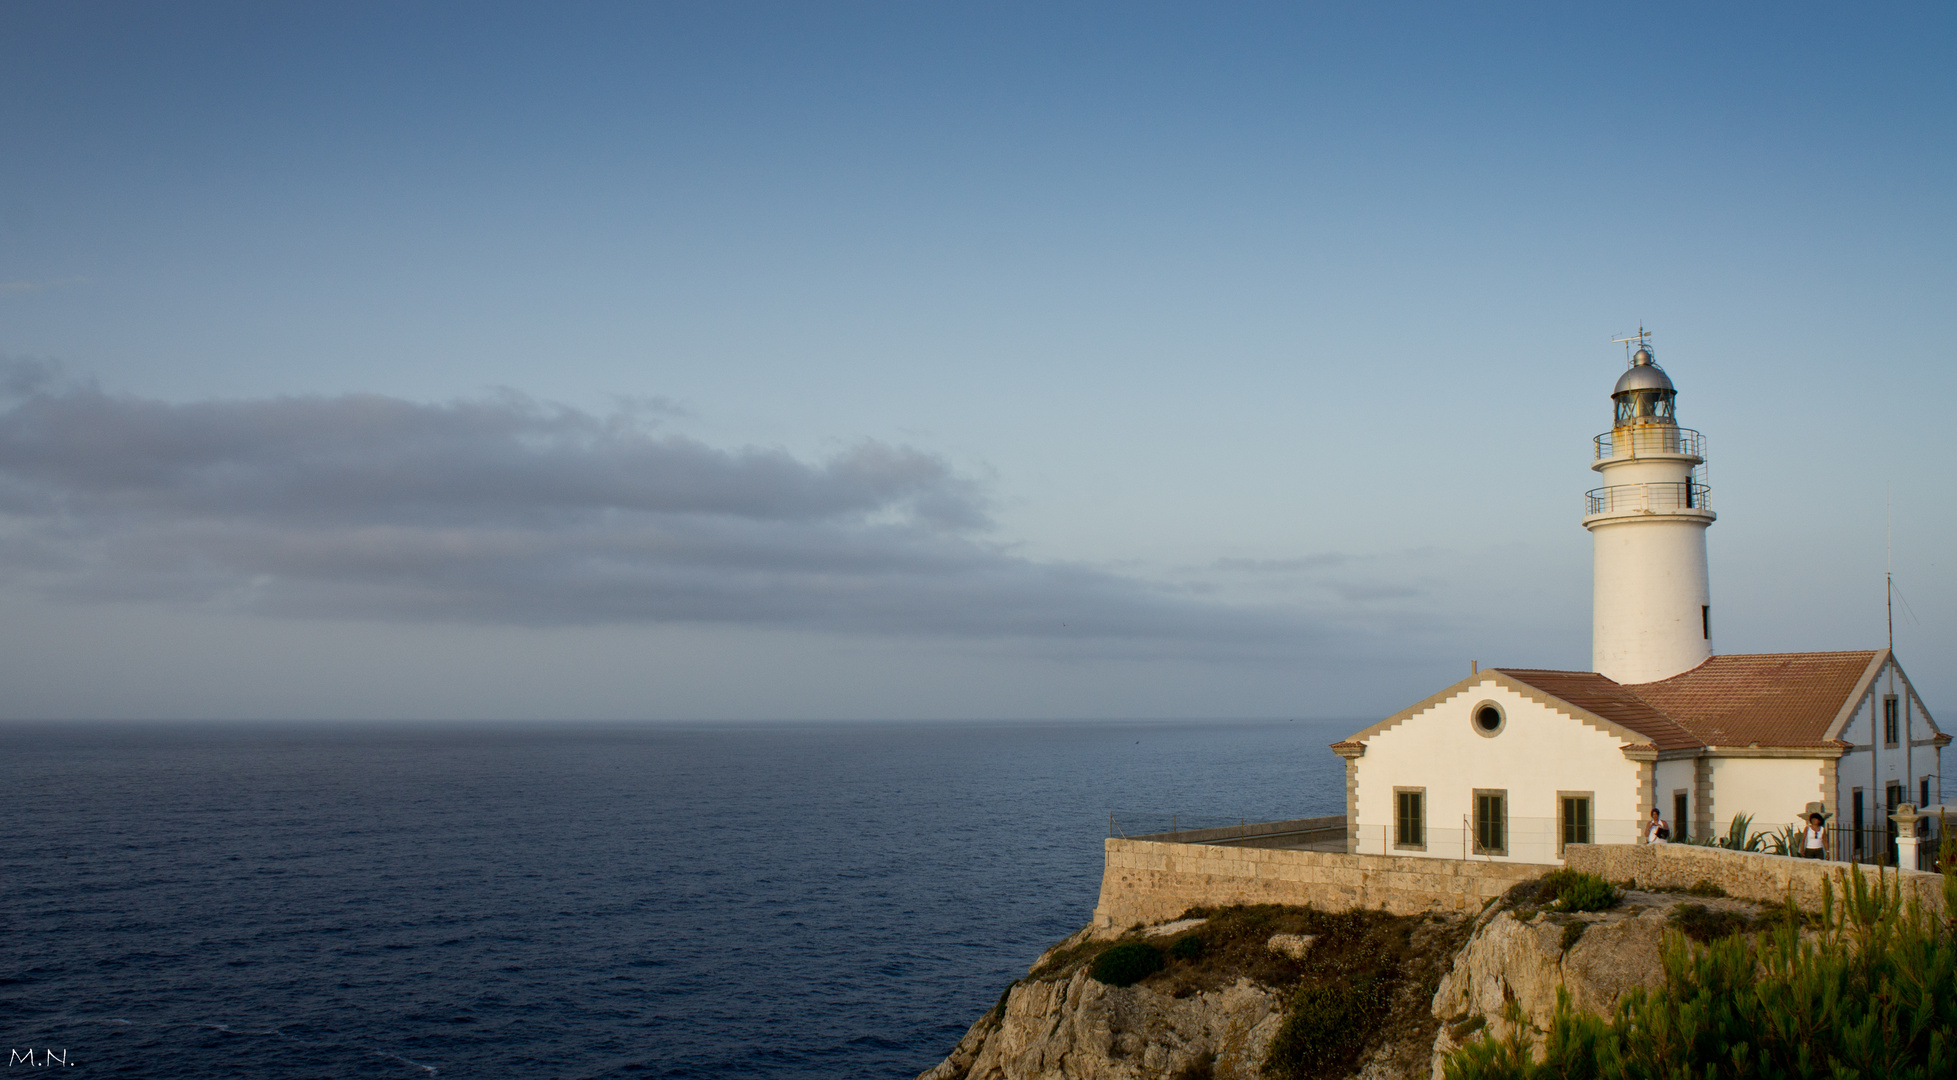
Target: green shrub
column 1702, row 924
column 1127, row 963
column 1187, row 948
column 1574, row 890
column 1776, row 917
column 1873, row 994
column 1326, row 1028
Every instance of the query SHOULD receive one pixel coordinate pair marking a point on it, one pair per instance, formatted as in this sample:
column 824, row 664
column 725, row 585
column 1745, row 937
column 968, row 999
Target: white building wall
column 1537, row 754
column 1873, row 763
column 1775, row 791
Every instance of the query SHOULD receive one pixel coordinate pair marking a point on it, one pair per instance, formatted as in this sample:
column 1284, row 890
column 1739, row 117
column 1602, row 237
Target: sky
column 783, row 361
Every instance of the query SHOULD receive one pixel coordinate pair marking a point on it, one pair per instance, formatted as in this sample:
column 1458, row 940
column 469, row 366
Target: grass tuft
column 1572, row 932
column 1703, row 925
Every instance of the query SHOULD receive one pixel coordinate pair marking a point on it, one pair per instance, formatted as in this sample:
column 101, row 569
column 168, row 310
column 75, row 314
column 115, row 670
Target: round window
column 1488, row 719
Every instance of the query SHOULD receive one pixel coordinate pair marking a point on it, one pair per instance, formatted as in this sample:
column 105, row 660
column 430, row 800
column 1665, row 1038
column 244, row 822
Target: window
column 1889, row 719
column 1681, row 815
column 1576, row 818
column 1705, row 620
column 1858, row 819
column 1491, row 822
column 1410, row 818
column 1488, row 719
column 1925, row 800
column 1895, row 793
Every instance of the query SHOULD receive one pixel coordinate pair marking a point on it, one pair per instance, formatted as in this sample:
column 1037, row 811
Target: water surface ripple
column 572, row 900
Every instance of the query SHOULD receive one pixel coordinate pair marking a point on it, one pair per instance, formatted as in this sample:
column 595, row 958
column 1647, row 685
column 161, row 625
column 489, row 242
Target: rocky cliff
column 1225, row 1003
column 1282, row 993
column 1518, row 956
column 1081, row 1029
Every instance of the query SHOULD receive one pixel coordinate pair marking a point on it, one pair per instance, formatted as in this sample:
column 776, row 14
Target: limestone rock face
column 1080, row 1029
column 1294, row 946
column 1511, row 960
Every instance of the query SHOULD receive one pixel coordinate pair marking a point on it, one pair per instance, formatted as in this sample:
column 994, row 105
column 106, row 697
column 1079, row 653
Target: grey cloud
column 1283, row 566
column 502, row 509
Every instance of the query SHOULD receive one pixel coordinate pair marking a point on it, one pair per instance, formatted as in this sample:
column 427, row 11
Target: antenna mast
column 1640, row 338
column 1889, row 565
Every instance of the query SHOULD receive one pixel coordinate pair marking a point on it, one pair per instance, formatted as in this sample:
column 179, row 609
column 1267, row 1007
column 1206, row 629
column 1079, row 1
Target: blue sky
column 917, row 361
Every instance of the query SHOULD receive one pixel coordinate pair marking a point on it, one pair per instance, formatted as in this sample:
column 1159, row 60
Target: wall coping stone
column 1746, row 875
column 1151, row 881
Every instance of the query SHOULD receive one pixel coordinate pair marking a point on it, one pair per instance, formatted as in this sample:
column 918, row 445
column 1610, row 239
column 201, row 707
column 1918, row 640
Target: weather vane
column 1641, row 337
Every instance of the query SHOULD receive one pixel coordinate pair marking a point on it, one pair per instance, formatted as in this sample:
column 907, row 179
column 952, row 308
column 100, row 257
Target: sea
column 414, row 900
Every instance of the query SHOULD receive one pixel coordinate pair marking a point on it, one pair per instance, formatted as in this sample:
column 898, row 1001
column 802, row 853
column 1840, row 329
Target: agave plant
column 1741, row 837
column 1785, row 842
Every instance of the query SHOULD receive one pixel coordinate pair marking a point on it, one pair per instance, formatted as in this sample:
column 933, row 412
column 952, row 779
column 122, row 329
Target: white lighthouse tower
column 1653, row 608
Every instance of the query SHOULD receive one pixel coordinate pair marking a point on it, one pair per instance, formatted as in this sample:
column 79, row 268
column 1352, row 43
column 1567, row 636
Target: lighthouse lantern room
column 1652, row 603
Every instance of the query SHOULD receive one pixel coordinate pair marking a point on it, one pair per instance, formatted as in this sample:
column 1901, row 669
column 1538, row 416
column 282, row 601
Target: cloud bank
column 505, row 510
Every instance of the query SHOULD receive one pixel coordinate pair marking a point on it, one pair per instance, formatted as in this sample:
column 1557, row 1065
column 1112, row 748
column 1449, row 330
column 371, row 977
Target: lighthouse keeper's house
column 1514, row 763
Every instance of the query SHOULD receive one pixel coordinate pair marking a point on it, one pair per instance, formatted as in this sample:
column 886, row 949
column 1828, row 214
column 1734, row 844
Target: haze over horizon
column 892, row 362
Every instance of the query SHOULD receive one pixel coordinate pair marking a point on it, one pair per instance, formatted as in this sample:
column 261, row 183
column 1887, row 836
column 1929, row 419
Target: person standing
column 1657, row 832
column 1814, row 838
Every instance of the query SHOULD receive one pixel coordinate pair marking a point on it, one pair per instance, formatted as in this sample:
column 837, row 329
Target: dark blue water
column 810, row 900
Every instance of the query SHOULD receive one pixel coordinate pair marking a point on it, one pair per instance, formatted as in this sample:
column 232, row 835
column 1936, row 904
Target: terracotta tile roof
column 1773, row 699
column 1594, row 693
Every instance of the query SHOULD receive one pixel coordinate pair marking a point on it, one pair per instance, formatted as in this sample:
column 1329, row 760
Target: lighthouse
column 1652, row 607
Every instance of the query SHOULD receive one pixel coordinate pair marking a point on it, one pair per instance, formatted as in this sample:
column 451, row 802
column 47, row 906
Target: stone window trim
column 1478, row 847
column 1589, row 823
column 1892, row 720
column 1421, row 794
column 1475, row 716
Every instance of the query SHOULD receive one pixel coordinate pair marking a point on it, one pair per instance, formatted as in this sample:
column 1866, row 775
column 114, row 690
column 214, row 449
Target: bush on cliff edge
column 1127, row 963
column 1574, row 890
column 1874, row 994
column 1326, row 1027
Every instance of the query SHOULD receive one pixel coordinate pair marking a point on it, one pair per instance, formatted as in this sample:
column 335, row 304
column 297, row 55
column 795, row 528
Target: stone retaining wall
column 1149, row 881
column 1317, row 833
column 1743, row 874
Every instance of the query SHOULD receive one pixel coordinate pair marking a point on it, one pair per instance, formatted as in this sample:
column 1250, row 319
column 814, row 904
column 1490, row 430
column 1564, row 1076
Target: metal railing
column 1309, row 834
column 1632, row 498
column 1878, row 845
column 1512, row 839
column 1649, row 439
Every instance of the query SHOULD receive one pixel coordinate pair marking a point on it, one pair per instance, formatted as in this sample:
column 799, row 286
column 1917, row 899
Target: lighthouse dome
column 1643, row 374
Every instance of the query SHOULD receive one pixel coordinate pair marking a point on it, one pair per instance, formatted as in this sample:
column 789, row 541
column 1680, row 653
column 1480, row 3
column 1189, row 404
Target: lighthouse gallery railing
column 1649, row 439
column 1627, row 498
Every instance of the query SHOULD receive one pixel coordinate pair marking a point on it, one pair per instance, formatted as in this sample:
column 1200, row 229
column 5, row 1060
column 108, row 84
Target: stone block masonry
column 1151, row 881
column 1745, row 875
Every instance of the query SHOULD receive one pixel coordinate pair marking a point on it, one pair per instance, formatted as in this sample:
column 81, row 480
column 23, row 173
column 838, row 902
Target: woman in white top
column 1814, row 838
column 1657, row 832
